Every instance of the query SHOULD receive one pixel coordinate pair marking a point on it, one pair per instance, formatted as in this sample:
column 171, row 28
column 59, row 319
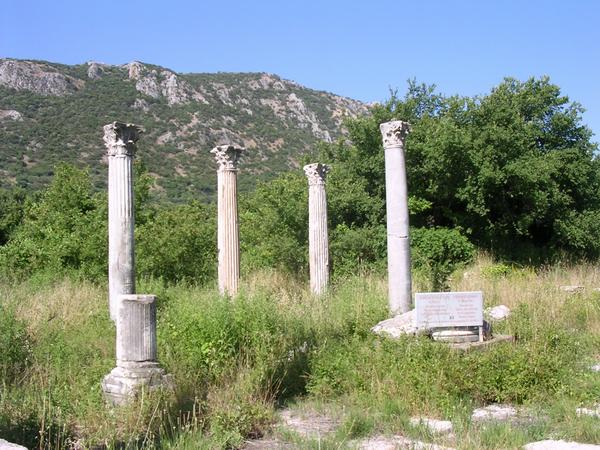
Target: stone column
column 396, row 193
column 318, row 243
column 137, row 364
column 120, row 139
column 228, row 238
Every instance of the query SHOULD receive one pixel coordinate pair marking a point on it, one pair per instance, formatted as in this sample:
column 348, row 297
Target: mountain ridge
column 52, row 112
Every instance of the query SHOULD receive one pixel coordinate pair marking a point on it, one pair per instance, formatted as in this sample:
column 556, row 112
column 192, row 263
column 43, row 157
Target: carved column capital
column 120, row 138
column 394, row 133
column 227, row 156
column 316, row 173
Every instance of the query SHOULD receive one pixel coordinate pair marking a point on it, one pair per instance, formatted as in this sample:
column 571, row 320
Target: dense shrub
column 440, row 251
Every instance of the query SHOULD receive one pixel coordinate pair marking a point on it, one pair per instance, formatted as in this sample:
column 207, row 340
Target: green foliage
column 440, row 251
column 178, row 243
column 274, row 225
column 12, row 204
column 64, row 231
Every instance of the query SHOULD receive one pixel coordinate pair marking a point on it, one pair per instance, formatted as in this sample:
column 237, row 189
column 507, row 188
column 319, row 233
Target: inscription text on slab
column 449, row 309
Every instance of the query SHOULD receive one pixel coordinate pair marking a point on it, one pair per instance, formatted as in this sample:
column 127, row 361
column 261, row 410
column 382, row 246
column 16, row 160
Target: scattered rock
column 5, row 445
column 11, row 114
column 550, row 444
column 589, row 411
column 494, row 412
column 397, row 326
column 433, row 425
column 572, row 289
column 499, row 312
column 307, row 424
column 395, row 443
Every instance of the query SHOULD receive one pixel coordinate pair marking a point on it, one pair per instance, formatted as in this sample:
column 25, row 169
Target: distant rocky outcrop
column 36, row 77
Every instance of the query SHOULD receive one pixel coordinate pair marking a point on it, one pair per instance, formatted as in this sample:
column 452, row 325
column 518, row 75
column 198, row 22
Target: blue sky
column 353, row 48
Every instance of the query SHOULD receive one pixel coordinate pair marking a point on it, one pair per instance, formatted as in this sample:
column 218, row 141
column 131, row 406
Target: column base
column 122, row 383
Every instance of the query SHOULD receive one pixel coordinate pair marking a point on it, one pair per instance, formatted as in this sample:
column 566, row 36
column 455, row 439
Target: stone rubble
column 498, row 313
column 308, row 425
column 433, row 425
column 402, row 324
column 494, row 412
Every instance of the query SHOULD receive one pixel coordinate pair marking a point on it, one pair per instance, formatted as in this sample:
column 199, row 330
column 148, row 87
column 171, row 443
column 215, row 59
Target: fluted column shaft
column 318, row 241
column 399, row 269
column 120, row 142
column 136, row 330
column 228, row 234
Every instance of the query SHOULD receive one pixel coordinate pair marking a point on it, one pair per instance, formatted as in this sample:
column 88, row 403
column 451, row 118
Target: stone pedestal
column 318, row 243
column 399, row 275
column 228, row 239
column 137, row 364
column 120, row 139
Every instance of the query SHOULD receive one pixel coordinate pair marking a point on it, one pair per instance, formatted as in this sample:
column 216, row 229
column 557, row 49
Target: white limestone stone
column 499, row 312
column 494, row 412
column 433, row 425
column 595, row 368
column 593, row 412
column 396, row 191
column 228, row 234
column 120, row 139
column 551, row 444
column 5, row 445
column 318, row 241
column 397, row 326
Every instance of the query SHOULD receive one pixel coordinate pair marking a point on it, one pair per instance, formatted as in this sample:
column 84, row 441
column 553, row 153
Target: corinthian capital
column 120, row 138
column 227, row 156
column 316, row 173
column 394, row 133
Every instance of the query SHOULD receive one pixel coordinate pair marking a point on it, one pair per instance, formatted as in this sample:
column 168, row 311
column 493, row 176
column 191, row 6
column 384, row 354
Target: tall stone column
column 120, row 139
column 396, row 192
column 318, row 243
column 228, row 238
column 137, row 364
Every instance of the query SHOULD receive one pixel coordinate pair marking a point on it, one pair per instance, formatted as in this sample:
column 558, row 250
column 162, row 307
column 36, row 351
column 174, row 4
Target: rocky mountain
column 52, row 112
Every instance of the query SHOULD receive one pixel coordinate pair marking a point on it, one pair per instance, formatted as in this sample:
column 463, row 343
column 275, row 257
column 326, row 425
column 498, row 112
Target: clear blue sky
column 354, row 48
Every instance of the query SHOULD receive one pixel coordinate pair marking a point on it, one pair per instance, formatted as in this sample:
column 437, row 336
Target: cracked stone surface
column 394, row 443
column 307, row 424
column 550, row 444
column 571, row 288
column 494, row 412
column 433, row 425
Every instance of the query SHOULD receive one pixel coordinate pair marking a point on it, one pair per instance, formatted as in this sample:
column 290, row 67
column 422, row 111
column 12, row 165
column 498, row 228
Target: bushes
column 439, row 251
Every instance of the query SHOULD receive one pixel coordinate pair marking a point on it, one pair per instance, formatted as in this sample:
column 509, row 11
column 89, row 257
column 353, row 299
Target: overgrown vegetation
column 233, row 362
column 512, row 173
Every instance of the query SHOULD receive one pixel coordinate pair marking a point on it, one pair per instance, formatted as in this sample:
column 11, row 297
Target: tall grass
column 234, row 362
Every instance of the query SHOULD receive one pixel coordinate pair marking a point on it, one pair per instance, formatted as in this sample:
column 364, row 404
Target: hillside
column 52, row 112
